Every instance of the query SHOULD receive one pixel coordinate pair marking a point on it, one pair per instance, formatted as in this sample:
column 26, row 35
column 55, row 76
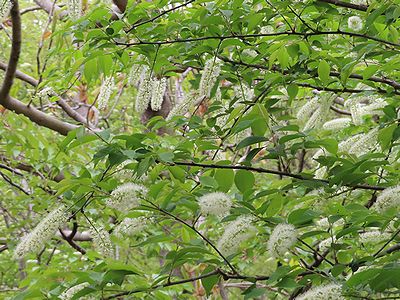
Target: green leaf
column 369, row 71
column 385, row 136
column 301, row 216
column 90, row 70
column 208, row 181
column 323, row 71
column 166, row 156
column 224, row 178
column 244, row 180
column 210, row 281
column 250, row 141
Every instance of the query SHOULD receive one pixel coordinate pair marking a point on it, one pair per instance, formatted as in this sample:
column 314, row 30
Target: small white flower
column 365, row 142
column 69, row 293
column 324, row 223
column 209, row 76
column 374, row 237
column 330, row 291
column 235, row 233
column 355, row 23
column 217, row 204
column 310, row 106
column 5, row 7
column 267, row 29
column 344, row 146
column 282, row 239
column 131, row 226
column 181, row 108
column 338, row 123
column 325, row 244
column 75, row 9
column 101, row 241
column 42, row 233
column 250, row 52
column 126, row 196
column 157, row 93
column 45, row 93
column 106, row 90
column 144, row 90
column 243, row 92
column 125, row 174
column 388, row 198
column 320, row 172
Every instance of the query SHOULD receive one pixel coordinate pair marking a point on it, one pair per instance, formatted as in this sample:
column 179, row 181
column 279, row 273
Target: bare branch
column 360, row 7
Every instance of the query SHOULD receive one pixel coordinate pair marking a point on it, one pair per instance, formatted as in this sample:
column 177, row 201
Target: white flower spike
column 282, row 239
column 217, row 204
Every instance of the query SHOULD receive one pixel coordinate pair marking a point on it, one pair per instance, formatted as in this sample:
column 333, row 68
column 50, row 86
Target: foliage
column 270, row 169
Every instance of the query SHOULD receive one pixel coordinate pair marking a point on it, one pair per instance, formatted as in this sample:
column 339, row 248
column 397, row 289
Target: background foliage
column 253, row 137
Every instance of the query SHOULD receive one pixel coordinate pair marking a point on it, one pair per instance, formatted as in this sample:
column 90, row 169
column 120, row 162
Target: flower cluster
column 344, row 146
column 209, row 77
column 374, row 237
column 75, row 9
column 125, row 174
column 336, row 124
column 243, row 92
column 157, row 94
column 43, row 232
column 45, row 93
column 319, row 115
column 389, row 198
column 235, row 233
column 101, row 241
column 355, row 23
column 136, row 71
column 331, row 291
column 182, row 108
column 325, row 224
column 126, row 196
column 282, row 239
column 250, row 52
column 358, row 110
column 364, row 143
column 144, row 90
column 217, row 204
column 70, row 293
column 267, row 29
column 304, row 112
column 5, row 7
column 131, row 226
column 106, row 90
column 326, row 244
column 133, row 78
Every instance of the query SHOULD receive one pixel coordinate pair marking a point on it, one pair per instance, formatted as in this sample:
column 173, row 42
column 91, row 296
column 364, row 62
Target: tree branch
column 14, row 53
column 47, row 5
column 274, row 172
column 39, row 117
column 225, row 275
column 159, row 16
column 387, row 81
column 11, row 70
column 256, row 35
column 360, row 7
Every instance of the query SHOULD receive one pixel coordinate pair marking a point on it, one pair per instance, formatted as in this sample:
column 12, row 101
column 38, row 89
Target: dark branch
column 387, row 81
column 225, row 275
column 360, row 7
column 159, row 16
column 274, row 172
column 257, row 35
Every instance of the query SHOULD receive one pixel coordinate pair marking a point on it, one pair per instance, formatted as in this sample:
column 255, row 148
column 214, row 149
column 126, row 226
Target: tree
column 185, row 150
